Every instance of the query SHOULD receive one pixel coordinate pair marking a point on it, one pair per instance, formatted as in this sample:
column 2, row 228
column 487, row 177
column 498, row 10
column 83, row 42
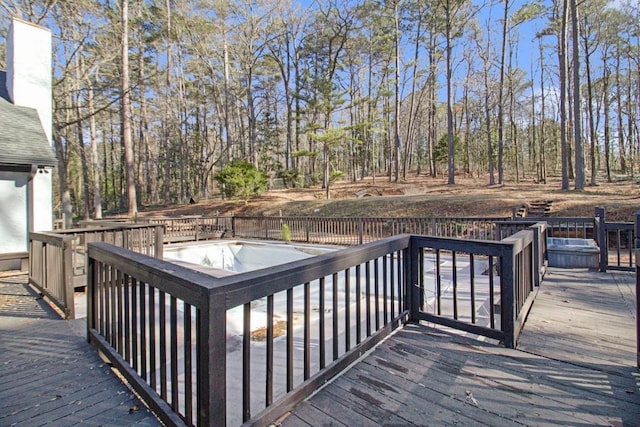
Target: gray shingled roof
column 22, row 138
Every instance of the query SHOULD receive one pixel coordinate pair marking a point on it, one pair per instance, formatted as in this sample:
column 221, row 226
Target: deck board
column 50, row 374
column 574, row 365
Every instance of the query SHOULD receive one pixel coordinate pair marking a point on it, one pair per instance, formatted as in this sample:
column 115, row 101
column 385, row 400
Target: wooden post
column 159, row 243
column 67, row 277
column 537, row 262
column 637, row 230
column 307, row 223
column 637, row 251
column 233, row 226
column 602, row 237
column 360, row 230
column 507, row 296
column 92, row 280
column 212, row 362
column 413, row 290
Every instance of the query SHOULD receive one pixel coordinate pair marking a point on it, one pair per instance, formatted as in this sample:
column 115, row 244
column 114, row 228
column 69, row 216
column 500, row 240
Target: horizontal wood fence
column 246, row 348
column 57, row 259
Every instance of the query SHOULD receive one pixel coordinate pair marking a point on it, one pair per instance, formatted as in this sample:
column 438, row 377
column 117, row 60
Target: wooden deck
column 49, row 374
column 575, row 365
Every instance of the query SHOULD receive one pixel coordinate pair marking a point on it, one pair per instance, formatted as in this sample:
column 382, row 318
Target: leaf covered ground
column 424, row 196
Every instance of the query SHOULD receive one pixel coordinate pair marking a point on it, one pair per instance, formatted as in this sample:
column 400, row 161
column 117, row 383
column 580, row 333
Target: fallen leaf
column 470, row 399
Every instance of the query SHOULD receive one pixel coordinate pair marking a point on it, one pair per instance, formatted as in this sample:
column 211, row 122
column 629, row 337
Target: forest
column 153, row 97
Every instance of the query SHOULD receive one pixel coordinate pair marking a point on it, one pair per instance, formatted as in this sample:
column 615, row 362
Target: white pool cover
column 239, row 256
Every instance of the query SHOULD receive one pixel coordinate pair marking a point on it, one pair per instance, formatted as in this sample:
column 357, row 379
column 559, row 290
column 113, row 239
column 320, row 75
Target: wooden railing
column 51, row 269
column 190, row 228
column 57, row 259
column 356, row 231
column 480, row 287
column 222, row 351
column 616, row 241
column 14, row 261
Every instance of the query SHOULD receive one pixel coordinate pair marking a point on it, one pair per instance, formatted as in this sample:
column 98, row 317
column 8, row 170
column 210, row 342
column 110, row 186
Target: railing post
column 507, row 296
column 212, row 363
column 637, row 305
column 413, row 288
column 602, row 237
column 233, row 226
column 360, row 230
column 159, row 241
column 637, row 230
column 637, row 251
column 67, row 277
column 537, row 262
column 92, row 278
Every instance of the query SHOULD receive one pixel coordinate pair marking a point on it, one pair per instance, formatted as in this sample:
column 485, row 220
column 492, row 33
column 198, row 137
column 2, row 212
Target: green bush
column 286, row 233
column 290, row 177
column 241, row 180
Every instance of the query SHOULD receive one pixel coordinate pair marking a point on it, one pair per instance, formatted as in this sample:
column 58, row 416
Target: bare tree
column 125, row 112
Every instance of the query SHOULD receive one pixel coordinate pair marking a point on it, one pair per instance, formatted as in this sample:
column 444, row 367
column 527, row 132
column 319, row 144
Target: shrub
column 286, row 233
column 241, row 180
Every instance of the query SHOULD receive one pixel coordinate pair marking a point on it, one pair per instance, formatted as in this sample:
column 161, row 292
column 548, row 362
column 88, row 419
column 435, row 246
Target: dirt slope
column 424, row 196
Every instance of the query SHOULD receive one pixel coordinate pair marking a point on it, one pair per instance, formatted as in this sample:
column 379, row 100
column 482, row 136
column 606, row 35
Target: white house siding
column 42, row 200
column 13, row 211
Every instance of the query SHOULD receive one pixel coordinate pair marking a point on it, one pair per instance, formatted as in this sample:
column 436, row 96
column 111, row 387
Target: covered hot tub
column 573, row 253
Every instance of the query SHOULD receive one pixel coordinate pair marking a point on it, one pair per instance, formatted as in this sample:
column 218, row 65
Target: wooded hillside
column 152, row 98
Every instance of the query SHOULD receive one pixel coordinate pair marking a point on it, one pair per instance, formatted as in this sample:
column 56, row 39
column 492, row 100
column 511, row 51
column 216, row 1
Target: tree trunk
column 125, row 113
column 451, row 169
column 503, row 51
column 86, row 197
column 577, row 117
column 562, row 58
column 396, row 85
column 95, row 164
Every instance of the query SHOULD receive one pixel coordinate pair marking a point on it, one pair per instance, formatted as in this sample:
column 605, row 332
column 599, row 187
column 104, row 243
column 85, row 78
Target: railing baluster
column 376, row 285
column 246, row 363
column 307, row 331
column 455, row 285
column 385, row 283
column 289, row 339
column 492, row 316
column 127, row 319
column 269, row 355
column 472, row 288
column 188, row 366
column 143, row 330
column 321, row 323
column 152, row 339
column 347, row 310
column 135, row 319
column 334, row 336
column 438, row 284
column 173, row 332
column 162, row 307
